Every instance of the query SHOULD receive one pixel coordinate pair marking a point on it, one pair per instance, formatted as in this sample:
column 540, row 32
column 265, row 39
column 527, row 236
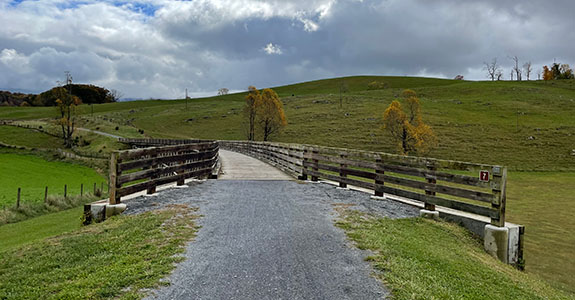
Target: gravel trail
column 270, row 240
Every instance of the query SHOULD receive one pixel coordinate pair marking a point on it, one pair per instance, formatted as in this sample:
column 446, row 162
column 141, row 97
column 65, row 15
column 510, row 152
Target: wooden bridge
column 471, row 194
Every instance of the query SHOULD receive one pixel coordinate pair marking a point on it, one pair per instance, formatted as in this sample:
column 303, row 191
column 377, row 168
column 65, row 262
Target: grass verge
column 114, row 259
column 422, row 259
column 39, row 228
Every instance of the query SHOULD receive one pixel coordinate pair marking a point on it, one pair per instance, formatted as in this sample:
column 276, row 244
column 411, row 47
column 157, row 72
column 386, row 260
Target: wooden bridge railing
column 136, row 170
column 474, row 188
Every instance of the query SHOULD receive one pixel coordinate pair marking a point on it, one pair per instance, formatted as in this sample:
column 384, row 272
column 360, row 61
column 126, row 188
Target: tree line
column 557, row 71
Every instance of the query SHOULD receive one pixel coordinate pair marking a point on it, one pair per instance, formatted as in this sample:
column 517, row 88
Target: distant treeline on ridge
column 88, row 93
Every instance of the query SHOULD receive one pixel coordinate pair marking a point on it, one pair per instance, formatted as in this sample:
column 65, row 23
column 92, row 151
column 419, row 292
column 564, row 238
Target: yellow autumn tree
column 250, row 111
column 270, row 114
column 547, row 73
column 408, row 129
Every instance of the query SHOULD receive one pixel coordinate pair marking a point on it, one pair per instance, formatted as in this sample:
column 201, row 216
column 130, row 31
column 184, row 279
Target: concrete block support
column 98, row 212
column 429, row 214
column 496, row 242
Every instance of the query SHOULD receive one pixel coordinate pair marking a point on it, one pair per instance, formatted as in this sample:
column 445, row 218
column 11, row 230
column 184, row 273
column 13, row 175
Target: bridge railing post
column 114, row 198
column 378, row 180
column 305, row 160
column 315, row 163
column 498, row 188
column 152, row 188
column 431, row 180
column 342, row 172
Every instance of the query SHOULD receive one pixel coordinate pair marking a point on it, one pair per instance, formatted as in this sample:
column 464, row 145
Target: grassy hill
column 527, row 126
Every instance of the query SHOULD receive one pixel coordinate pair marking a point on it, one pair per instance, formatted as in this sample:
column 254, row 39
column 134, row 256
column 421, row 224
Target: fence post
column 101, row 188
column 81, row 189
column 181, row 180
column 315, row 167
column 94, row 188
column 113, row 179
column 18, row 199
column 342, row 172
column 498, row 187
column 378, row 181
column 152, row 188
column 304, row 161
column 431, row 180
column 46, row 194
column 65, row 190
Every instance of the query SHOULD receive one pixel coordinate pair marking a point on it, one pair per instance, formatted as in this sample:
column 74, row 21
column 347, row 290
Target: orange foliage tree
column 408, row 129
column 270, row 113
column 547, row 73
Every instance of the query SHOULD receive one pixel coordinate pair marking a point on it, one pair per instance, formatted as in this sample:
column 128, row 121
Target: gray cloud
column 203, row 45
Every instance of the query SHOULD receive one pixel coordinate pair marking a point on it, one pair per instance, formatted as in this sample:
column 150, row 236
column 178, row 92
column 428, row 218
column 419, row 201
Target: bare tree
column 115, row 95
column 67, row 104
column 223, row 91
column 528, row 69
column 499, row 75
column 516, row 68
column 491, row 68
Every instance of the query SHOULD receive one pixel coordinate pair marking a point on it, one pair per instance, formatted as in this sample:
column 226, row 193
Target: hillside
column 527, row 126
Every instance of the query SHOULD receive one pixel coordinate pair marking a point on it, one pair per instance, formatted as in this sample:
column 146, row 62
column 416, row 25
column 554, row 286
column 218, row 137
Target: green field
column 528, row 126
column 32, row 174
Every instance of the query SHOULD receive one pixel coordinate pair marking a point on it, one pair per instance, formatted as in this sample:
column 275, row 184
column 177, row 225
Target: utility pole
column 186, row 99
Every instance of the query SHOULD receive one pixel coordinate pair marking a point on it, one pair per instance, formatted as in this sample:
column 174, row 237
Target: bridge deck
column 236, row 166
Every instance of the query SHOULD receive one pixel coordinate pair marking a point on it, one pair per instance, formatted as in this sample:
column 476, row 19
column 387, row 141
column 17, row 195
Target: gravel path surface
column 270, row 240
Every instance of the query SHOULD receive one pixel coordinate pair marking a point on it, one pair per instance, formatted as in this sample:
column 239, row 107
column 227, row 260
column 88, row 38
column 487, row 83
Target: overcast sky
column 159, row 48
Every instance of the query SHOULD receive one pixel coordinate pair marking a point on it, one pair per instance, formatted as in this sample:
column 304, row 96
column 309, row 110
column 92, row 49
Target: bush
column 377, row 85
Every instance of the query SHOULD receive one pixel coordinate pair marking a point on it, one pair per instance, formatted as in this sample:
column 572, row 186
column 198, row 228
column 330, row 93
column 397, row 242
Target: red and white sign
column 484, row 176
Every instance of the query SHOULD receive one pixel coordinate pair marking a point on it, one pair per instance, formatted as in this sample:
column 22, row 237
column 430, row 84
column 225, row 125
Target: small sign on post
column 484, row 176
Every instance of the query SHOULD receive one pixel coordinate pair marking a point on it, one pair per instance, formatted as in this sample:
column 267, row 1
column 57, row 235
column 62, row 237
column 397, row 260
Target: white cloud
column 271, row 49
column 204, row 45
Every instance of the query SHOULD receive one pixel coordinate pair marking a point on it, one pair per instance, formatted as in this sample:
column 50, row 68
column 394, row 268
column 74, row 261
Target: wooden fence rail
column 142, row 169
column 474, row 188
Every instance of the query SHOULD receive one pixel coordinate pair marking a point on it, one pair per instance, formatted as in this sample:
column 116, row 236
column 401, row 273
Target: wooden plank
column 407, row 160
column 438, row 188
column 471, row 208
column 476, row 209
column 136, row 153
column 164, row 180
column 444, row 176
column 350, row 181
column 339, row 160
column 166, row 159
column 406, row 170
column 163, row 170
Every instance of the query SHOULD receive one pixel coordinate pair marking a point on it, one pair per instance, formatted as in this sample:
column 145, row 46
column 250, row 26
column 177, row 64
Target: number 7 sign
column 484, row 176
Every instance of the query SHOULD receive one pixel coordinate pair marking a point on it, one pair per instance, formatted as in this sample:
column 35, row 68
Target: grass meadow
column 33, row 173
